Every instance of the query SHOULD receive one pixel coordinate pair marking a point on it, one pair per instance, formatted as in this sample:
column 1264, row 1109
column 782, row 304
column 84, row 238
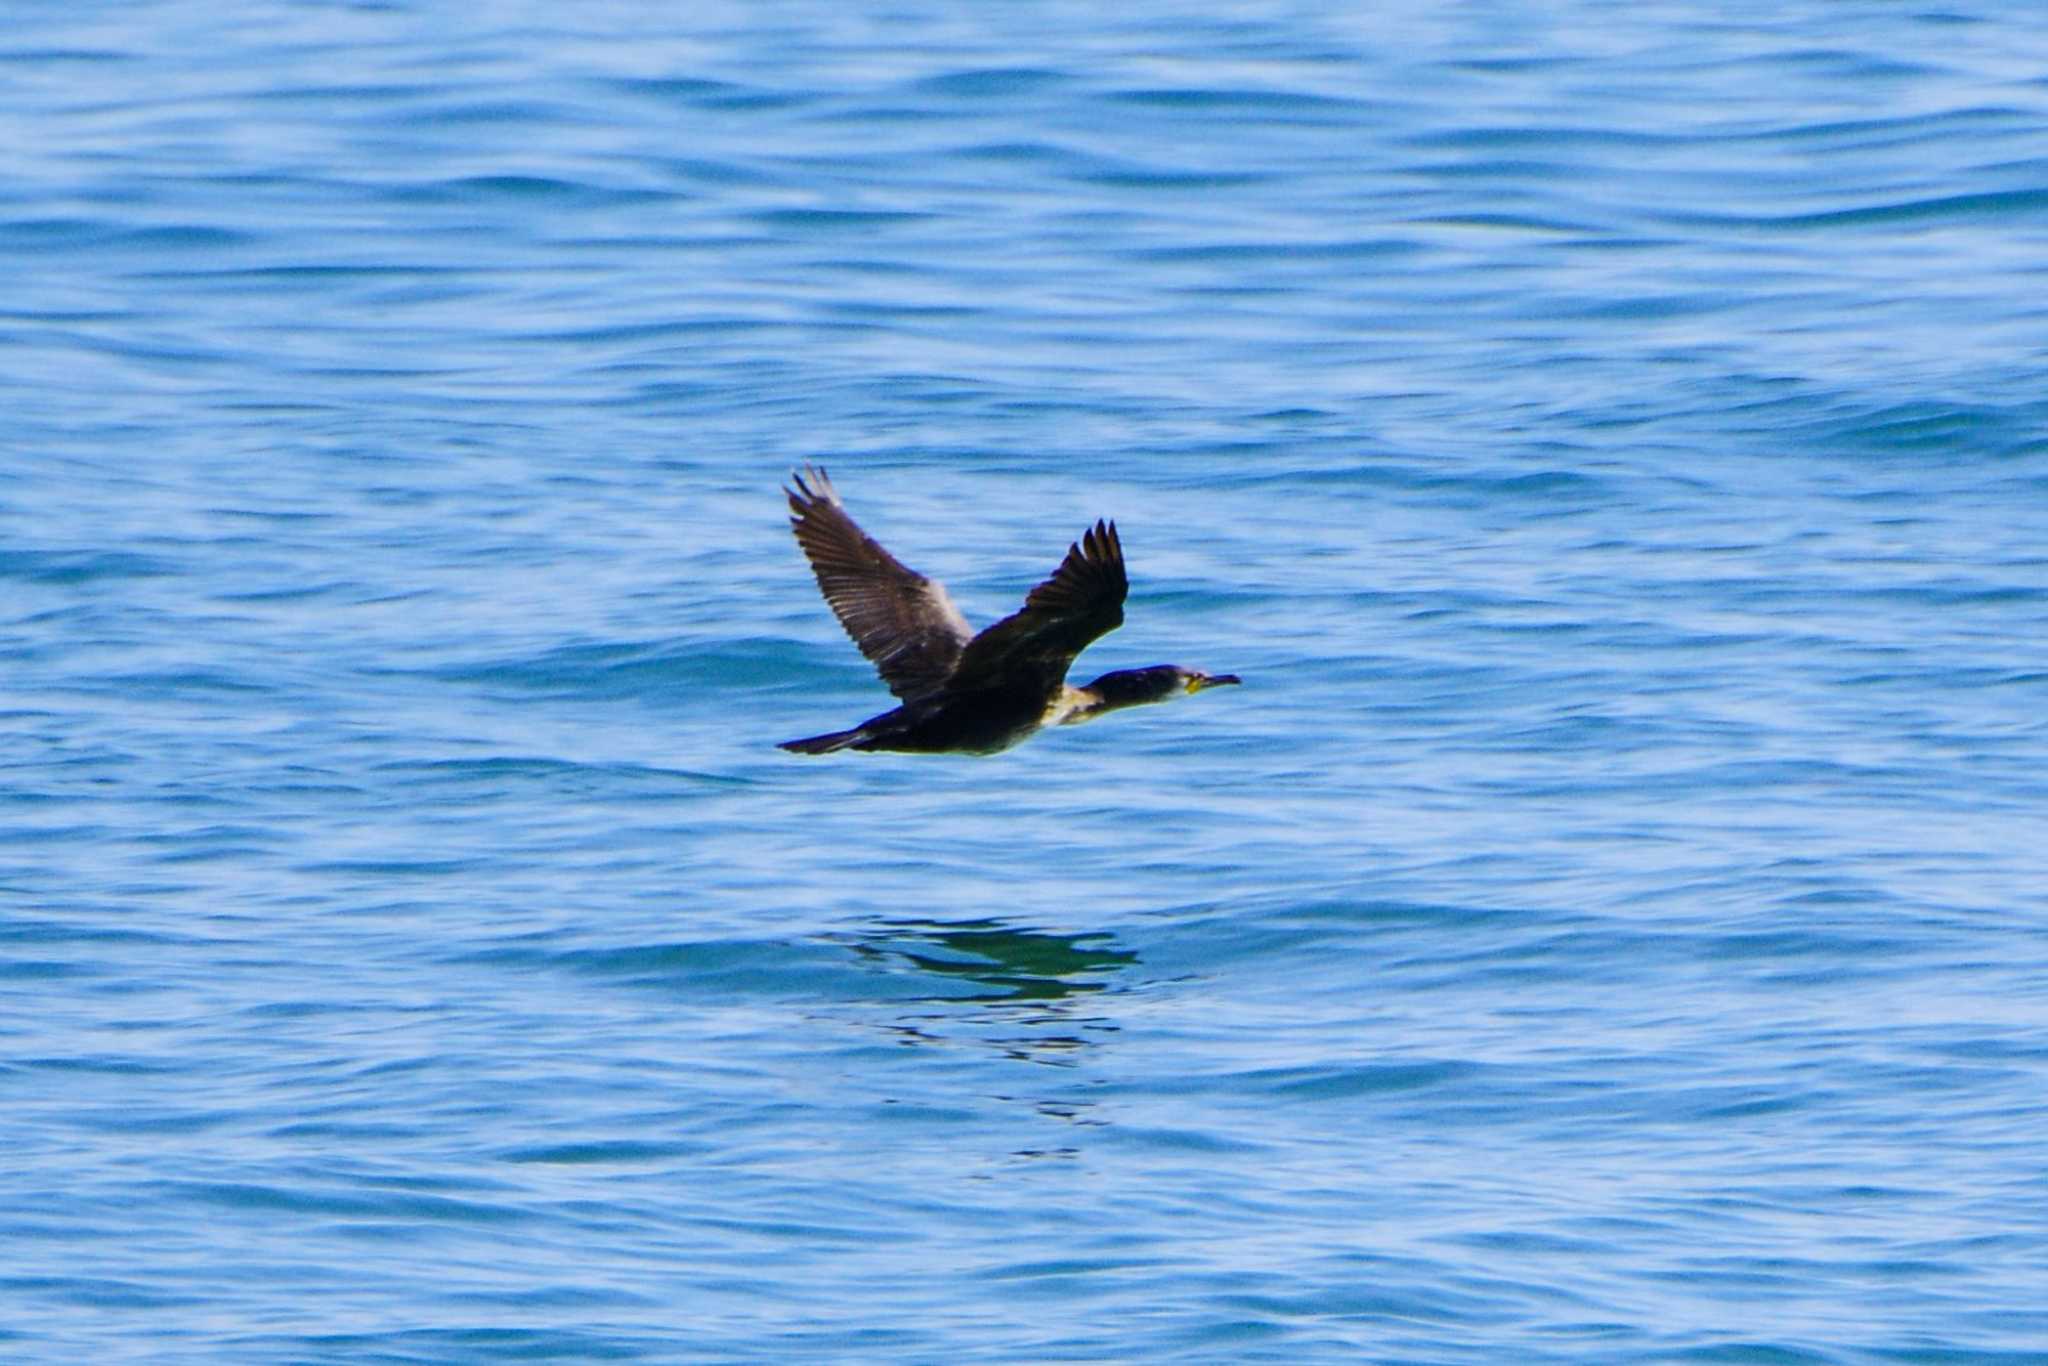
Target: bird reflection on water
column 1017, row 966
column 1026, row 996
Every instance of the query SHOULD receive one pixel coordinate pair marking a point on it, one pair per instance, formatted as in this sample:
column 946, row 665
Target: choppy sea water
column 1609, row 925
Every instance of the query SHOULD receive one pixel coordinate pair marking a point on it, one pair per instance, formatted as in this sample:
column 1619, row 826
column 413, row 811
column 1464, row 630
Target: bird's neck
column 1073, row 706
column 1111, row 692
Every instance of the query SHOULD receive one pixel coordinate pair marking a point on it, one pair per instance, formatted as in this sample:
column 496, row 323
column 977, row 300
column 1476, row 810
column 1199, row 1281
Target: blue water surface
column 1610, row 925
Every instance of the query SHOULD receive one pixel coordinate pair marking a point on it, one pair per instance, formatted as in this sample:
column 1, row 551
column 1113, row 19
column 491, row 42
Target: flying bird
column 962, row 692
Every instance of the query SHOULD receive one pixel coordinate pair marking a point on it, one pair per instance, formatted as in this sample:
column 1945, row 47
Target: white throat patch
column 1072, row 706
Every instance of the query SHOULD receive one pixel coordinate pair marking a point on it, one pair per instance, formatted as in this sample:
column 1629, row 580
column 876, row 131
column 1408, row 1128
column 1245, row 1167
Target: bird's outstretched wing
column 901, row 620
column 1082, row 600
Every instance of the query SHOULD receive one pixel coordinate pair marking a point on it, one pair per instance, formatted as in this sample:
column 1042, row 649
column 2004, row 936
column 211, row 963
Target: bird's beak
column 1197, row 682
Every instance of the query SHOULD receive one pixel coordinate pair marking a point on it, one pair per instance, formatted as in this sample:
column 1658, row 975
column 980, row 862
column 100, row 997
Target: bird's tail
column 826, row 744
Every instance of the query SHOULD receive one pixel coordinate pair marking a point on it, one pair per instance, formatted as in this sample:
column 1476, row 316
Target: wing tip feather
column 813, row 489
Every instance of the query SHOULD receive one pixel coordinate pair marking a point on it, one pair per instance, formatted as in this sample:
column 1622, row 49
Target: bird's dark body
column 984, row 721
column 966, row 692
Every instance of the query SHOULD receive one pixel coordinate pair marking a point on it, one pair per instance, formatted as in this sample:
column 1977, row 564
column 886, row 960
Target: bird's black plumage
column 902, row 621
column 962, row 692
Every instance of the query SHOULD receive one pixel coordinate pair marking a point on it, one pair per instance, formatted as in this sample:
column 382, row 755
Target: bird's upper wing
column 901, row 620
column 1082, row 600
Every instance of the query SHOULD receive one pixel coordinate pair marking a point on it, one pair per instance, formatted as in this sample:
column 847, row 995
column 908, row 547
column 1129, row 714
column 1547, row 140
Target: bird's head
column 1136, row 687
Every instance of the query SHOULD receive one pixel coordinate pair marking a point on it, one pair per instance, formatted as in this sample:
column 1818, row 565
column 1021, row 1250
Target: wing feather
column 1082, row 601
column 901, row 620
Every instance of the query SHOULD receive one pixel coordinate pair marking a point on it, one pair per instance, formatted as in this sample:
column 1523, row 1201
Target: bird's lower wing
column 1083, row 600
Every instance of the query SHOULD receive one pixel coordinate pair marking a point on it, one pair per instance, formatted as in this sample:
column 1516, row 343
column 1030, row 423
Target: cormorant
column 965, row 693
